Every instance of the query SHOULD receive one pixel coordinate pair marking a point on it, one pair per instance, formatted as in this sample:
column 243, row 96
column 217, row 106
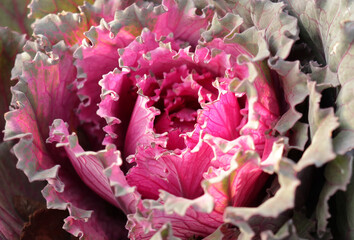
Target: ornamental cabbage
column 180, row 119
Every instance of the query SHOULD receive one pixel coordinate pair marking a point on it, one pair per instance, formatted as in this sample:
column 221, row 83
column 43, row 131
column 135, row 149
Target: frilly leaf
column 101, row 47
column 90, row 166
column 106, row 9
column 294, row 85
column 338, row 174
column 317, row 19
column 222, row 27
column 253, row 42
column 10, row 44
column 66, row 26
column 328, row 29
column 147, row 221
column 299, row 136
column 85, row 164
column 273, row 207
column 323, row 77
column 71, row 26
column 134, row 19
column 280, row 29
column 167, row 171
column 343, row 142
column 44, row 92
column 126, row 195
column 41, row 8
column 169, row 17
column 29, row 119
column 116, row 106
column 91, row 217
column 322, row 123
column 13, row 14
column 343, row 205
column 239, row 7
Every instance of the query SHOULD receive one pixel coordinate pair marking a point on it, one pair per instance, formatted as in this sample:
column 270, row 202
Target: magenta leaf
column 88, row 167
column 180, row 175
column 48, row 84
column 103, row 50
column 116, row 107
column 147, row 221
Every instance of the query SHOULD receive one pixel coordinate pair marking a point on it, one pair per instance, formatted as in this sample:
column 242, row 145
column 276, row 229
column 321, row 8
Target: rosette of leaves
column 208, row 126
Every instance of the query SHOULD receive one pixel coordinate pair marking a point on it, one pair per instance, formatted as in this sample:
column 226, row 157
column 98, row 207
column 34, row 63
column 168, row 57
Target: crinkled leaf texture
column 186, row 106
column 41, row 8
column 14, row 193
column 10, row 44
column 327, row 27
column 45, row 92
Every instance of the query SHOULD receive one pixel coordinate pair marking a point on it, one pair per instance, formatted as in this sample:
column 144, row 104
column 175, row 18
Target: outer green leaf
column 10, row 44
column 322, row 123
column 323, row 77
column 239, row 7
column 294, row 84
column 329, row 26
column 337, row 174
column 252, row 41
column 328, row 29
column 344, row 203
column 13, row 14
column 280, row 29
column 69, row 27
column 105, row 8
column 41, row 8
column 344, row 141
column 134, row 19
column 224, row 27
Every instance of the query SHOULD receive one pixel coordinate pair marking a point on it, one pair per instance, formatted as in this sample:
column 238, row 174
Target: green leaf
column 322, row 123
column 344, row 141
column 343, row 208
column 13, row 14
column 41, row 8
column 223, row 27
column 67, row 27
column 328, row 28
column 10, row 44
column 280, row 29
column 337, row 174
column 294, row 84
